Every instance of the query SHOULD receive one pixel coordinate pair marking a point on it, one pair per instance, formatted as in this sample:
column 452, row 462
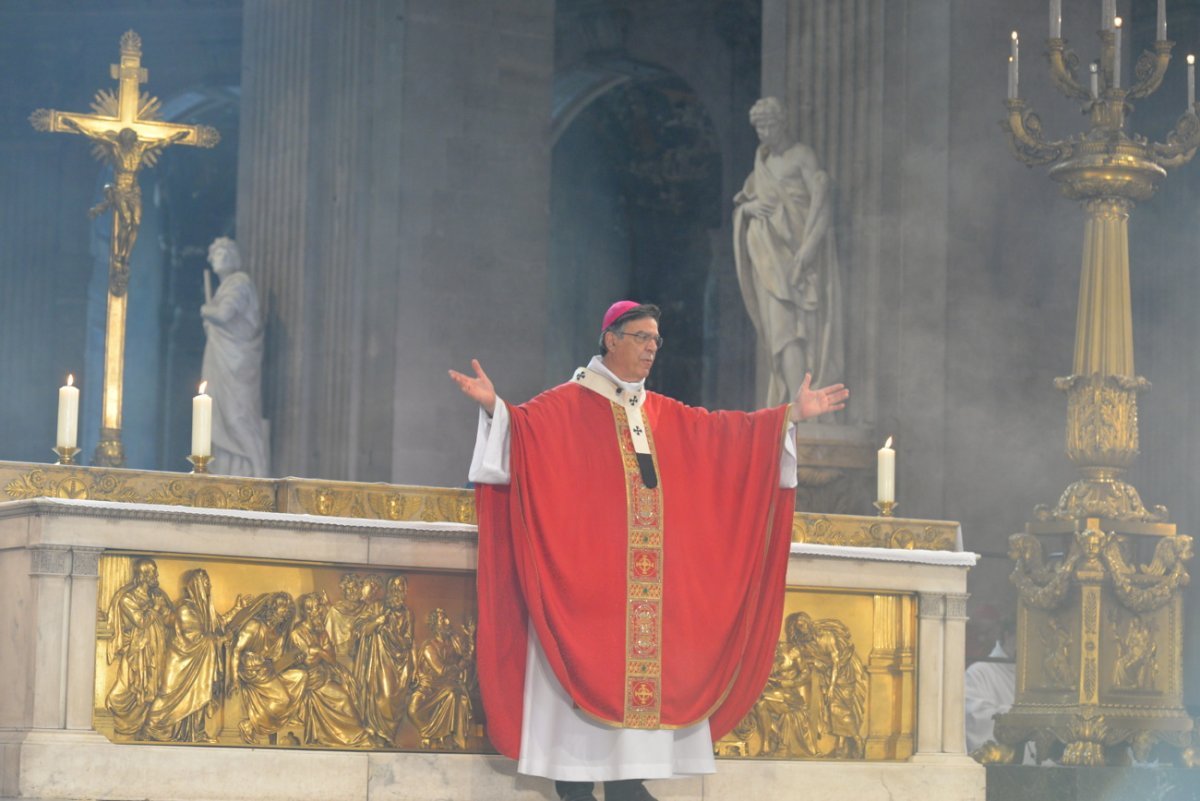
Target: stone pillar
column 392, row 205
column 309, row 183
column 953, row 668
column 50, row 568
column 81, row 637
column 274, row 177
column 931, row 614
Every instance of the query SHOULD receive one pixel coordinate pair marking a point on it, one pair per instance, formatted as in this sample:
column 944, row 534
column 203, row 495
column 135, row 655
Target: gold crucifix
column 126, row 133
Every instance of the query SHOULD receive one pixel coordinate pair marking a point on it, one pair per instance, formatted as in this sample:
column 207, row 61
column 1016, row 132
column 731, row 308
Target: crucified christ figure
column 127, row 153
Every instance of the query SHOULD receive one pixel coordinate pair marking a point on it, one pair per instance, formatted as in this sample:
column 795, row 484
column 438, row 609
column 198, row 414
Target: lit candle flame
column 888, row 444
column 1191, row 59
column 1117, row 22
column 70, row 380
column 203, row 386
column 1014, row 35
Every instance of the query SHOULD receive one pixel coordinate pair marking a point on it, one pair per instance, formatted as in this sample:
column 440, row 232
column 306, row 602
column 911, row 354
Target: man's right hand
column 479, row 388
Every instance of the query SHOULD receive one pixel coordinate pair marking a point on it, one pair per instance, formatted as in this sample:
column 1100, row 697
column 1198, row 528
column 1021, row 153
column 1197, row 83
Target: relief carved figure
column 343, row 613
column 326, row 707
column 193, row 675
column 786, row 257
column 814, row 703
column 268, row 671
column 258, row 666
column 1134, row 666
column 384, row 665
column 440, row 706
column 1056, row 662
column 141, row 616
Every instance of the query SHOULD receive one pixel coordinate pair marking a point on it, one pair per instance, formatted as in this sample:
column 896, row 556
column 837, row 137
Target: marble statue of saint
column 440, row 707
column 786, row 258
column 141, row 615
column 233, row 366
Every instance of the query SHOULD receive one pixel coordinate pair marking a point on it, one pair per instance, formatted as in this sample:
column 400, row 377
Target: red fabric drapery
column 554, row 553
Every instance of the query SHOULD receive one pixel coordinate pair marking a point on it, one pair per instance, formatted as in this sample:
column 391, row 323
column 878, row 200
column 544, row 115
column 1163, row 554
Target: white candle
column 1116, row 82
column 1015, row 67
column 1191, row 82
column 1094, row 68
column 1055, row 19
column 68, row 414
column 1162, row 20
column 202, row 423
column 887, row 472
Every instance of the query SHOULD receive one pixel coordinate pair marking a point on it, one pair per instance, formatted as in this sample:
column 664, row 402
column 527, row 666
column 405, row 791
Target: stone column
column 930, row 680
column 49, row 568
column 954, row 657
column 81, row 637
column 392, row 201
column 309, row 184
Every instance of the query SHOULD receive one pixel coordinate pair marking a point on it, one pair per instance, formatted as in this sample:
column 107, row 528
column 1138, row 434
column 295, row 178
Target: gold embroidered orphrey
column 643, row 582
column 644, row 556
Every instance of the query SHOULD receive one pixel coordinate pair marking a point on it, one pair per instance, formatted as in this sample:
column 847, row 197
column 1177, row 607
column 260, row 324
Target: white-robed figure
column 786, row 258
column 558, row 740
column 233, row 366
column 990, row 688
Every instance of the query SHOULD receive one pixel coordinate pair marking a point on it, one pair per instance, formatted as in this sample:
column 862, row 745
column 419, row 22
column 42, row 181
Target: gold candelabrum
column 1099, row 620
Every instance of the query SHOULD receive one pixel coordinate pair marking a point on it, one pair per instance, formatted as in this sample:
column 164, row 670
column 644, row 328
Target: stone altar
column 50, row 748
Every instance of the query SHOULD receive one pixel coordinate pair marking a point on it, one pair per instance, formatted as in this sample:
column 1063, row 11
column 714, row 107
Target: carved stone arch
column 635, row 193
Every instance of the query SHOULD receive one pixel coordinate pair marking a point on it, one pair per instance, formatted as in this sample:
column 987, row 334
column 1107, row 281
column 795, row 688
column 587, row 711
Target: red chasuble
column 656, row 608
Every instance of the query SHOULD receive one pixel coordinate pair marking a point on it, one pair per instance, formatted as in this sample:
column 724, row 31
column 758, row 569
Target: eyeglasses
column 641, row 337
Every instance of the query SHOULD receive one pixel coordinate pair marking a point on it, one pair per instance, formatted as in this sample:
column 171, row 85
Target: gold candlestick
column 885, row 507
column 1102, row 606
column 66, row 455
column 199, row 463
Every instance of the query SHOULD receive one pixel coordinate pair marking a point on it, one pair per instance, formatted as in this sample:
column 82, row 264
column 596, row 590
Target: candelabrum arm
column 1182, row 141
column 1024, row 129
column 1150, row 68
column 1064, row 67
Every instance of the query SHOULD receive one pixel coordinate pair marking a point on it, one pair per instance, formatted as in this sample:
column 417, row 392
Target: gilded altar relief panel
column 843, row 684
column 208, row 651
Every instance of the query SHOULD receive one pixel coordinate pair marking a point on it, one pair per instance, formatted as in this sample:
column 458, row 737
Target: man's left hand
column 810, row 402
